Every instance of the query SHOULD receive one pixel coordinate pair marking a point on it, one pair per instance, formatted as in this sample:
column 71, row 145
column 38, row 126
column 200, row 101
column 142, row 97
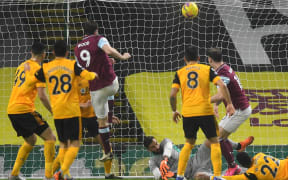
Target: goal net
column 252, row 34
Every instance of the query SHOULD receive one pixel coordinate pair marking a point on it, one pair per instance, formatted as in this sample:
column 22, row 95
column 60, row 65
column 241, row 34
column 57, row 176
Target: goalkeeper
column 164, row 163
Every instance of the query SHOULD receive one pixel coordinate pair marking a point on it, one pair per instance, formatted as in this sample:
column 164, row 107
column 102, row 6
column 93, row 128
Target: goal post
column 253, row 37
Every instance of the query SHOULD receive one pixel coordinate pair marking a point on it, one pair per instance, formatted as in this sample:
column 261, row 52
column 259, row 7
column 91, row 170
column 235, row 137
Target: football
column 190, row 10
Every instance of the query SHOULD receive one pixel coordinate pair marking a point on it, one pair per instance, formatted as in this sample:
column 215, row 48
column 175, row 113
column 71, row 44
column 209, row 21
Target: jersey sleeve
column 77, row 69
column 176, row 81
column 33, row 79
column 168, row 147
column 213, row 76
column 40, row 75
column 103, row 41
column 41, row 84
column 154, row 168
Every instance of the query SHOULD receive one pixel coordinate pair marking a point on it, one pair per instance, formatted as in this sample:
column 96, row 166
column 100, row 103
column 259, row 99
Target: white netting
column 252, row 34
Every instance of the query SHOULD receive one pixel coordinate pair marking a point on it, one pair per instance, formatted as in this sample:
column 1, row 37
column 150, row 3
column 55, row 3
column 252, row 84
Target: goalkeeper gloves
column 164, row 170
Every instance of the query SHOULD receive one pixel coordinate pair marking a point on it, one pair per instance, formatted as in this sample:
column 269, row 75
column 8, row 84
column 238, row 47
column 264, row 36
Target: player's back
column 268, row 167
column 84, row 96
column 62, row 87
column 195, row 87
column 237, row 93
column 19, row 101
column 94, row 59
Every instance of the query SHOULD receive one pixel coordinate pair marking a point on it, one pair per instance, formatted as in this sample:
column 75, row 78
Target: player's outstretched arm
column 226, row 95
column 79, row 71
column 89, row 75
column 114, row 53
column 44, row 98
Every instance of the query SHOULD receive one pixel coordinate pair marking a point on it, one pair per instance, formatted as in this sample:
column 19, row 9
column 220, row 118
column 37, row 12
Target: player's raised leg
column 240, row 146
column 227, row 126
column 227, row 152
column 100, row 104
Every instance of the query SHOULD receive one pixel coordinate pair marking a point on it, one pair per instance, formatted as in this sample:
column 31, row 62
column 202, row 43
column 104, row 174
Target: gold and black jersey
column 22, row 97
column 194, row 81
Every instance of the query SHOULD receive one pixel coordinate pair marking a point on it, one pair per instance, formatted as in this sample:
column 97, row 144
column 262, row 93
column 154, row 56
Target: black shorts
column 28, row 123
column 90, row 127
column 208, row 124
column 68, row 129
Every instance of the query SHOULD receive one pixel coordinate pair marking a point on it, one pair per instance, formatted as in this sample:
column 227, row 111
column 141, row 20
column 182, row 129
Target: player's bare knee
column 75, row 143
column 213, row 140
column 223, row 133
column 51, row 137
column 48, row 135
column 102, row 121
column 31, row 140
column 191, row 140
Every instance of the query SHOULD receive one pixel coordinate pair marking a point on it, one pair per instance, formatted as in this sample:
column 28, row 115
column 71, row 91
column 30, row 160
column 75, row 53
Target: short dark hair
column 191, row 53
column 215, row 54
column 90, row 27
column 60, row 48
column 244, row 159
column 38, row 48
column 147, row 141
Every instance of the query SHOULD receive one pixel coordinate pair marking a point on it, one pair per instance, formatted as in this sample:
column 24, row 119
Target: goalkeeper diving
column 164, row 162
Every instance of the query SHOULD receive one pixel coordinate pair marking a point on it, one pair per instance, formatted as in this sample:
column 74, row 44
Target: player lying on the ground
column 164, row 162
column 260, row 167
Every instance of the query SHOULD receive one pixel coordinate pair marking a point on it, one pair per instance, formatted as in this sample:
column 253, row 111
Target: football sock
column 216, row 159
column 22, row 155
column 69, row 157
column 227, row 152
column 183, row 158
column 104, row 133
column 110, row 113
column 107, row 166
column 59, row 159
column 49, row 153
